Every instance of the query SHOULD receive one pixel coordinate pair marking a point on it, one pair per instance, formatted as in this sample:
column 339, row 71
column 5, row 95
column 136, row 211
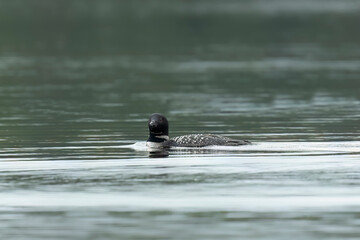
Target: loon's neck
column 158, row 138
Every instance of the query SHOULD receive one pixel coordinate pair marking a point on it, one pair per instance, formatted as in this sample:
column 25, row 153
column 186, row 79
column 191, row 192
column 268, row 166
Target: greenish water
column 79, row 80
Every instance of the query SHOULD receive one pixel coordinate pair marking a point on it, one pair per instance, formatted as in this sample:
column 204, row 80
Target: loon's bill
column 159, row 136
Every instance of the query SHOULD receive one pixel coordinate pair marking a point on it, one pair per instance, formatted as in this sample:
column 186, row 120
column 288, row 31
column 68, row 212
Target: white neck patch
column 163, row 137
column 154, row 145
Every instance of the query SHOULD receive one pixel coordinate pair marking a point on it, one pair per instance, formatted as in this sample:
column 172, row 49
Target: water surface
column 79, row 80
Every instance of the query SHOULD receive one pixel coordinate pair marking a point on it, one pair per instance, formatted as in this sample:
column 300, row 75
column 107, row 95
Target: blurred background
column 254, row 67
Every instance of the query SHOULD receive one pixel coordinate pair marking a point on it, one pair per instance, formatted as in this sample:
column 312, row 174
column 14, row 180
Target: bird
column 159, row 136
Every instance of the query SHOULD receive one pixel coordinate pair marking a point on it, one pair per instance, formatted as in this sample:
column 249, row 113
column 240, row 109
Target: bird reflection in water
column 158, row 152
column 165, row 152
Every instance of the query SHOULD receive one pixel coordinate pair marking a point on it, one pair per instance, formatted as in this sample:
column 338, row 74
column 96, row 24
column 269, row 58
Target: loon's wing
column 202, row 140
column 226, row 141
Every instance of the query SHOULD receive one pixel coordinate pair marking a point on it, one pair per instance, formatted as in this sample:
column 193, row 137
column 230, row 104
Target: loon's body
column 159, row 137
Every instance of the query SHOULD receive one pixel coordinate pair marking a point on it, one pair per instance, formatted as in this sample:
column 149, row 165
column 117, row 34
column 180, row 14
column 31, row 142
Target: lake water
column 79, row 80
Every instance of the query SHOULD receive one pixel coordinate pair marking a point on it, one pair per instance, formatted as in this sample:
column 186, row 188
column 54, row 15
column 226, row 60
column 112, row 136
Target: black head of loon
column 158, row 128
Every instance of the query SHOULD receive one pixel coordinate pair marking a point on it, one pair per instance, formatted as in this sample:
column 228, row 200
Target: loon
column 159, row 136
